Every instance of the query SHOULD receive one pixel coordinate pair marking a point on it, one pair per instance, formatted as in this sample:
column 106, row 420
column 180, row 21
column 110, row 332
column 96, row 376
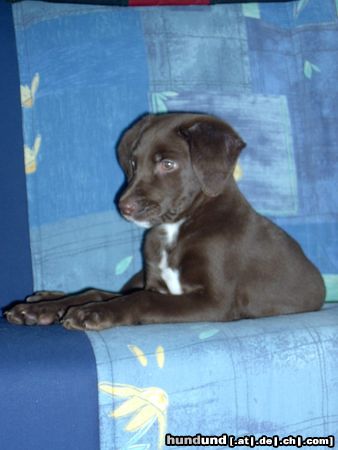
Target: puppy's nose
column 128, row 207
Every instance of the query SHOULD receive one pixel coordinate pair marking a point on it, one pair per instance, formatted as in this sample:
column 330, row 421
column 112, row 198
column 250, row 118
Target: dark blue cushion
column 48, row 389
column 15, row 258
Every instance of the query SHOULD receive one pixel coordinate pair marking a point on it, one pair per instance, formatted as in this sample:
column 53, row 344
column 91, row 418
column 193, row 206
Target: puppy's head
column 169, row 160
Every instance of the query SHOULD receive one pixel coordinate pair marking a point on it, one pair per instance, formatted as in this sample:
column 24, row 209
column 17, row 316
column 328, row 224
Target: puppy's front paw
column 43, row 313
column 93, row 317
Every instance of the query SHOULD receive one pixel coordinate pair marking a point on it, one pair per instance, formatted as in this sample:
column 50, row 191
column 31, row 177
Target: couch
column 73, row 77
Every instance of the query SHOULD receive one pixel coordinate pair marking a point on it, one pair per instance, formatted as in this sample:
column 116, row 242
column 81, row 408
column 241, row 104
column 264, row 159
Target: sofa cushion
column 87, row 72
column 274, row 376
column 48, row 389
column 15, row 258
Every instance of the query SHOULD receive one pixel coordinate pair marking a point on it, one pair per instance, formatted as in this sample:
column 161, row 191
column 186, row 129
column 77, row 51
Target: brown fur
column 233, row 263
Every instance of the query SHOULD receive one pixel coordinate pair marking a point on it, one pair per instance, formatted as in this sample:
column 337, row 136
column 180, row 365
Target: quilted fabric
column 155, row 2
column 270, row 70
column 87, row 72
column 263, row 377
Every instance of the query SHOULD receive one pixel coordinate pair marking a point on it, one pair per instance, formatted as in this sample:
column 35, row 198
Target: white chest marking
column 170, row 276
column 172, row 230
column 142, row 224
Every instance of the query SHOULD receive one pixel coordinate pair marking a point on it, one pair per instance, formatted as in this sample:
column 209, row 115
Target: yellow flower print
column 160, row 356
column 31, row 155
column 143, row 360
column 28, row 92
column 147, row 405
column 141, row 357
column 238, row 172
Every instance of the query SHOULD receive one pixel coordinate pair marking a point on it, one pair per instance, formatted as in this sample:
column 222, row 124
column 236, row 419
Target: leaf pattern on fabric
column 138, row 447
column 123, row 265
column 208, row 333
column 251, row 10
column 146, row 405
column 160, row 357
column 158, row 100
column 31, row 155
column 28, row 93
column 309, row 68
column 141, row 357
column 299, row 7
column 238, row 172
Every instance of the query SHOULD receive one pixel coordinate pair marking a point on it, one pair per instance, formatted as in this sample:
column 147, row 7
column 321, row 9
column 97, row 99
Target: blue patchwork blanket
column 270, row 70
column 87, row 72
column 261, row 377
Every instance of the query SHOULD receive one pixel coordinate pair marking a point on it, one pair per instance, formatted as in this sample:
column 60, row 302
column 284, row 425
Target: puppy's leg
column 136, row 283
column 47, row 307
column 146, row 307
column 44, row 295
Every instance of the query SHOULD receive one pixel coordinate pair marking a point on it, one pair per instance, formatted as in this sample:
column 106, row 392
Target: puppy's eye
column 132, row 164
column 131, row 169
column 168, row 165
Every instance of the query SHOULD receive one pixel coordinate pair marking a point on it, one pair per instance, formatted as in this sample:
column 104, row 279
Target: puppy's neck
column 229, row 200
column 171, row 231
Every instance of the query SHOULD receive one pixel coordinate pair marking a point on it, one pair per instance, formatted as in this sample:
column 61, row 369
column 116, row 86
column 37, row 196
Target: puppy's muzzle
column 139, row 210
column 128, row 207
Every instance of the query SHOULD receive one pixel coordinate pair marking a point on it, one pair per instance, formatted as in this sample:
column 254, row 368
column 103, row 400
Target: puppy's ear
column 214, row 149
column 129, row 140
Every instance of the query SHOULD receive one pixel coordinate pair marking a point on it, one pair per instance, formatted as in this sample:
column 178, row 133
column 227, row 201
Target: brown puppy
column 208, row 255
